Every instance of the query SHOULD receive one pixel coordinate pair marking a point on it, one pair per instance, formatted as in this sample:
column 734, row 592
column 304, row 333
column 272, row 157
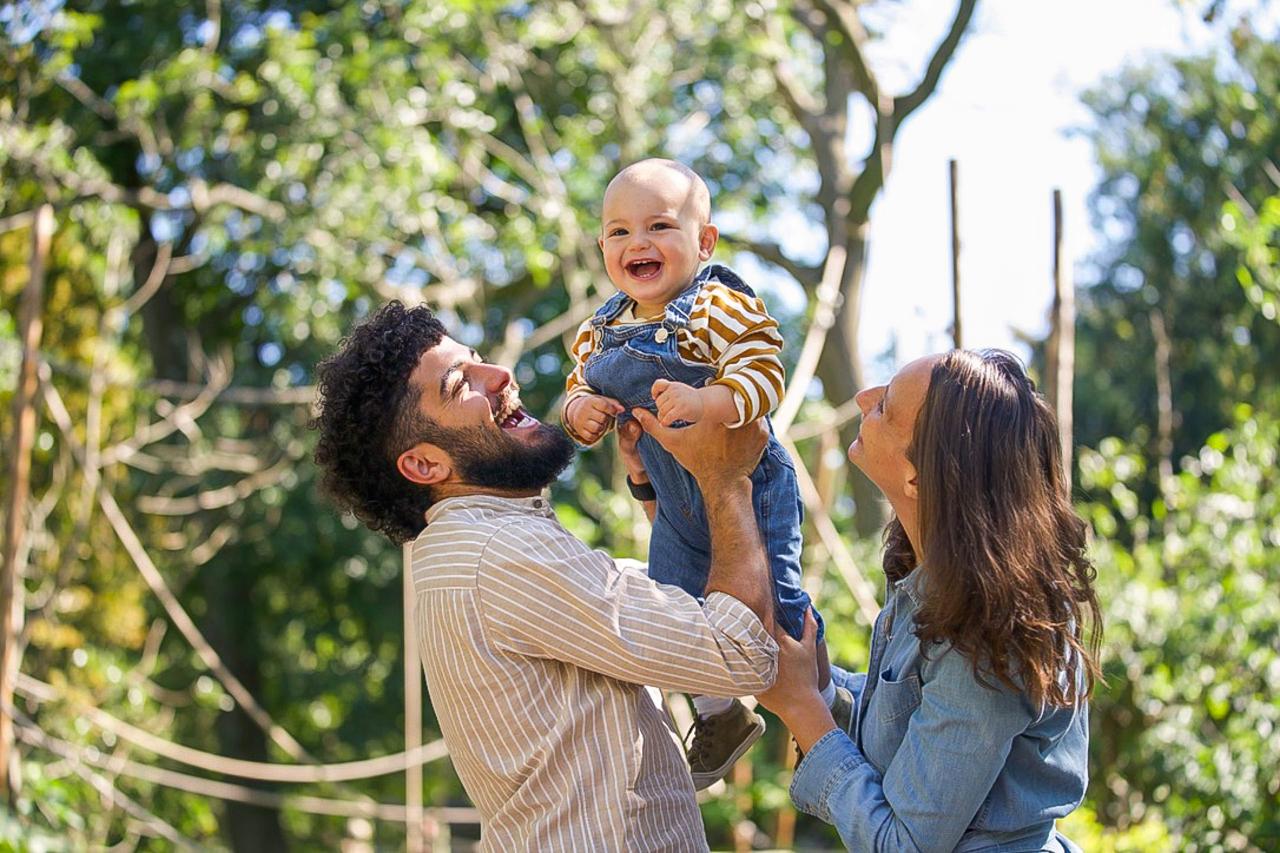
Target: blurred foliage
column 1186, row 728
column 1177, row 140
column 302, row 162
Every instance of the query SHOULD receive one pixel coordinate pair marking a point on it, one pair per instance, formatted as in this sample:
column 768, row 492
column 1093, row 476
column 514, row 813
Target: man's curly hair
column 367, row 415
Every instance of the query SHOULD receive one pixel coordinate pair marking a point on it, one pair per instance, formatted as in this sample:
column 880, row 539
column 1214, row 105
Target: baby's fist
column 677, row 401
column 591, row 416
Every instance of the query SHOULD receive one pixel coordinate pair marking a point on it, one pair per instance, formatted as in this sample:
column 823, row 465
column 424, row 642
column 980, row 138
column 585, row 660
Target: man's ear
column 707, row 241
column 425, row 464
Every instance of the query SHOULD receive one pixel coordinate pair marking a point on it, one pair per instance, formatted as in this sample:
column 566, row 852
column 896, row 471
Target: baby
column 688, row 345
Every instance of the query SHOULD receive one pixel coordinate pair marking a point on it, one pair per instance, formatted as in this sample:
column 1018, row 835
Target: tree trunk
column 248, row 828
column 840, row 370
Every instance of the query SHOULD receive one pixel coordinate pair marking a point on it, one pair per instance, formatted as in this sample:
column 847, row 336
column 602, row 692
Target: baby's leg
column 824, row 666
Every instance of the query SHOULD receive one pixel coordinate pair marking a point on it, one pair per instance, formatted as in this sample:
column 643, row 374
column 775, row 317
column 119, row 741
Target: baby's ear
column 707, row 241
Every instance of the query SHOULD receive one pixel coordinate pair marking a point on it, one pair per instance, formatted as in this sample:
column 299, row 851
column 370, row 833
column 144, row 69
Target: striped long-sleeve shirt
column 536, row 649
column 728, row 330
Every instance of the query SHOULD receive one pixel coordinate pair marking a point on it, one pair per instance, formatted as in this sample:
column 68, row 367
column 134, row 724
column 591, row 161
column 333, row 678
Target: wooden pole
column 1063, row 338
column 956, row 337
column 12, row 600
column 412, row 714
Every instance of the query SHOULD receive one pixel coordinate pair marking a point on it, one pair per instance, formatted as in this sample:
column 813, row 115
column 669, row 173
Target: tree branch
column 904, row 105
column 771, row 252
column 803, row 107
column 845, row 16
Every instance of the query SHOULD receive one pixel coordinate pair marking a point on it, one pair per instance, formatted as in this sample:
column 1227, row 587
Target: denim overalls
column 623, row 365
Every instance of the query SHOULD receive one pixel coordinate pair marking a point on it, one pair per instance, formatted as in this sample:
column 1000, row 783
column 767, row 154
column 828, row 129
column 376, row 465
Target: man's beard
column 495, row 460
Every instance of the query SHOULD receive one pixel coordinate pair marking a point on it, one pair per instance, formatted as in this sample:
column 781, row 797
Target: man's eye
column 880, row 405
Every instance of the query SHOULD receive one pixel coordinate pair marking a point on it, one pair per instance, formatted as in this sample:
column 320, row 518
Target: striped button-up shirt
column 728, row 330
column 536, row 649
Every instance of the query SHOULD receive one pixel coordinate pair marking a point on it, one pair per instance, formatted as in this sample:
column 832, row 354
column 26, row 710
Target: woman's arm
column 955, row 746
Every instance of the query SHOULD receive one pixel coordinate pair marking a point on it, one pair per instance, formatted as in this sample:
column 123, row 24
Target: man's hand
column 711, row 452
column 677, row 401
column 591, row 415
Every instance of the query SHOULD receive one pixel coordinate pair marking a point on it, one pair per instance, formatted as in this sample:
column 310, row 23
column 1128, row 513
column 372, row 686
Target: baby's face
column 653, row 237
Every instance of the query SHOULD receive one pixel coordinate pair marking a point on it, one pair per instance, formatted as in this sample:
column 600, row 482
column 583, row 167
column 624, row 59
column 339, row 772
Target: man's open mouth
column 515, row 418
column 644, row 270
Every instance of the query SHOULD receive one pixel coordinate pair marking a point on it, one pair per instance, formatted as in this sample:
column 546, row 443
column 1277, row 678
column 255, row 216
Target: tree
column 1168, row 341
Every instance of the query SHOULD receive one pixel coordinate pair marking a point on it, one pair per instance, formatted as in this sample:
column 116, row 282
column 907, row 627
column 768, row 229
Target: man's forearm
column 739, row 565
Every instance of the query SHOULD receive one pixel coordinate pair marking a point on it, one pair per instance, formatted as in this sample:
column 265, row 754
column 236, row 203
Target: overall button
column 661, row 336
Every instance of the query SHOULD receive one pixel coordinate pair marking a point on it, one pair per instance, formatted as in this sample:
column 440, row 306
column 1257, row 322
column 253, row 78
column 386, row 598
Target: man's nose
column 496, row 378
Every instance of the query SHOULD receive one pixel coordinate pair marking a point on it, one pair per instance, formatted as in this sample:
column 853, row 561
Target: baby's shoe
column 719, row 740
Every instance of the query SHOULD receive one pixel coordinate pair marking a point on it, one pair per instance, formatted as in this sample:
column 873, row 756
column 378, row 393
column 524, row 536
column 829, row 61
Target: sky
column 1004, row 110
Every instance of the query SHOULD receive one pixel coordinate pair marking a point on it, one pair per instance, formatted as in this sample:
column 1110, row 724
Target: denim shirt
column 938, row 761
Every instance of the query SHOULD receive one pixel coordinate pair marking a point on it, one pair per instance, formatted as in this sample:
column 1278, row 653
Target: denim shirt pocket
column 888, row 713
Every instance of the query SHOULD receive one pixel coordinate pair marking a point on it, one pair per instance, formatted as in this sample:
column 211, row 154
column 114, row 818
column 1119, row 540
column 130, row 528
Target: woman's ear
column 911, row 487
column 425, row 464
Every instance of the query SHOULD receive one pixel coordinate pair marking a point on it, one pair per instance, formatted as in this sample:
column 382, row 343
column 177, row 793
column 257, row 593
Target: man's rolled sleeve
column 544, row 593
column 740, row 630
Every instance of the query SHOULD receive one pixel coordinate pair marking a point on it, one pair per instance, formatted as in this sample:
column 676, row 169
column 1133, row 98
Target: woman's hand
column 794, row 696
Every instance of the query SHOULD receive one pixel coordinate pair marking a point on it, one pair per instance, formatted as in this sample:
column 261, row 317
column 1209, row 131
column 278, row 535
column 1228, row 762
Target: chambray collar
column 910, row 585
column 537, row 505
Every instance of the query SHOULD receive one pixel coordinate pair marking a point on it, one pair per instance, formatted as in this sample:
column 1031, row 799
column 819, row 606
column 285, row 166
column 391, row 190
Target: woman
column 970, row 729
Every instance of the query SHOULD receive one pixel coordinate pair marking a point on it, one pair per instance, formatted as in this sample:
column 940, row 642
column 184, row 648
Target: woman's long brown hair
column 1006, row 580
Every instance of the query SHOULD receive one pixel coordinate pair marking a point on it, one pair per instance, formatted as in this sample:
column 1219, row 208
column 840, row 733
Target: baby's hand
column 677, row 402
column 591, row 415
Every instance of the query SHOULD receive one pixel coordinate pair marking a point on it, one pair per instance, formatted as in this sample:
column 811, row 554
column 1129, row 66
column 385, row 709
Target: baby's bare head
column 666, row 178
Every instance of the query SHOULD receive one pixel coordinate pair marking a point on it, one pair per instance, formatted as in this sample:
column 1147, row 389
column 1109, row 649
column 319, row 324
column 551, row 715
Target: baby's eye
column 617, row 232
column 660, row 225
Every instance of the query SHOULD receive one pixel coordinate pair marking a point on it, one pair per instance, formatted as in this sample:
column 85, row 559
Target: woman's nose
column 866, row 398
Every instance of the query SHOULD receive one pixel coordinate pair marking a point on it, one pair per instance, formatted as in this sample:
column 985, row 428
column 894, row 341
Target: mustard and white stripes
column 728, row 330
column 536, row 649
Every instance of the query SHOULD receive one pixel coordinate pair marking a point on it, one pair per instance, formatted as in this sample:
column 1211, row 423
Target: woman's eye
column 880, row 405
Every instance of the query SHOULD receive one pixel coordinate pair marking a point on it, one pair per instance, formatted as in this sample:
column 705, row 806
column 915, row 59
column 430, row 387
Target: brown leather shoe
column 720, row 740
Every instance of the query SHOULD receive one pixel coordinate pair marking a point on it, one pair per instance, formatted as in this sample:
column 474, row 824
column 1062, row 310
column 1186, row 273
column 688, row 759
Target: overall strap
column 609, row 311
column 726, row 276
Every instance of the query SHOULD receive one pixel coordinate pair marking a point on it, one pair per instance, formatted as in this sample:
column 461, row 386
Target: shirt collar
column 536, row 505
column 911, row 585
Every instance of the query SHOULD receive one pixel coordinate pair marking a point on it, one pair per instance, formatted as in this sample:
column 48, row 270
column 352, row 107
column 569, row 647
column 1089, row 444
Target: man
column 536, row 648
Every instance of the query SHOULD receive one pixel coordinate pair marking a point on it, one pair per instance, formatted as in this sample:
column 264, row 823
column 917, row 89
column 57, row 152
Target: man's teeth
column 517, row 419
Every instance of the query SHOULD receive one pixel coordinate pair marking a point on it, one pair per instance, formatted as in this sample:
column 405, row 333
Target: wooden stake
column 412, row 714
column 956, row 337
column 12, row 599
column 1063, row 338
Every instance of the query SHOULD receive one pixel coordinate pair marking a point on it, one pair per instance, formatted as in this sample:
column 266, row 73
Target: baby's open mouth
column 644, row 270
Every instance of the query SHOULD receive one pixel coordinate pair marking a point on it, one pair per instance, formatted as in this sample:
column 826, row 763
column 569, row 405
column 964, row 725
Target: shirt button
column 661, row 336
column 539, row 503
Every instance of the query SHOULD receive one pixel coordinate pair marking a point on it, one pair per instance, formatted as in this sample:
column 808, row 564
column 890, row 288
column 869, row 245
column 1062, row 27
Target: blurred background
column 197, row 200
